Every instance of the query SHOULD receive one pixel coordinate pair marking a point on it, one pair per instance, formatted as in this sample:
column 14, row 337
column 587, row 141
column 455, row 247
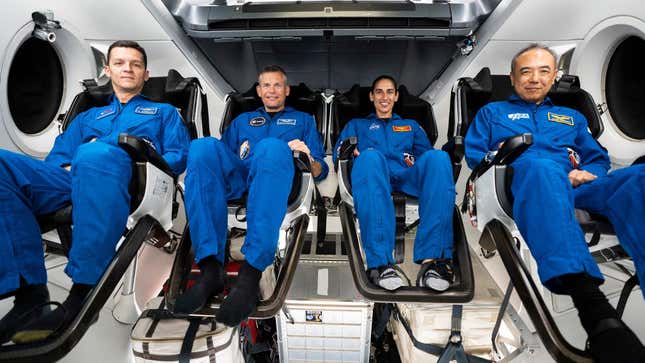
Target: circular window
column 35, row 86
column 625, row 87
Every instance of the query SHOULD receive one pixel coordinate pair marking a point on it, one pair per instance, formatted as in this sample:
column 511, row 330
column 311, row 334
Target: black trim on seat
column 531, row 298
column 59, row 344
column 461, row 291
column 266, row 308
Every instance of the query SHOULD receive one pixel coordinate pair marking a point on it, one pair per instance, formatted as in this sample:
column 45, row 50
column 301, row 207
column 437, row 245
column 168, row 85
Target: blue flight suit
column 252, row 156
column 97, row 187
column 544, row 198
column 388, row 149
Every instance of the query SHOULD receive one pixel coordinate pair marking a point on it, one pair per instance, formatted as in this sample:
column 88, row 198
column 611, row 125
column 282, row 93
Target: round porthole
column 35, row 86
column 625, row 87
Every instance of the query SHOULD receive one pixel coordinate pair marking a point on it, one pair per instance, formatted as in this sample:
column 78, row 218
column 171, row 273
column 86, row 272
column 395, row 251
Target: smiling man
column 254, row 156
column 394, row 154
column 87, row 168
column 565, row 168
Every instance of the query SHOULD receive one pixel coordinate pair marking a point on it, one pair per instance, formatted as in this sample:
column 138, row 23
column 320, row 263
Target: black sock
column 243, row 298
column 209, row 283
column 44, row 326
column 610, row 340
column 27, row 298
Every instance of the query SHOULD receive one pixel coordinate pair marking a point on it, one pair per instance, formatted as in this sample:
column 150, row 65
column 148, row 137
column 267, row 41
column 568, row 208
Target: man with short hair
column 254, row 156
column 87, row 168
column 395, row 154
column 565, row 168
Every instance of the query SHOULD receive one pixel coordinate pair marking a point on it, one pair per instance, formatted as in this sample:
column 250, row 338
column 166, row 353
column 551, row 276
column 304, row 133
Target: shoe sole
column 391, row 284
column 437, row 284
column 30, row 336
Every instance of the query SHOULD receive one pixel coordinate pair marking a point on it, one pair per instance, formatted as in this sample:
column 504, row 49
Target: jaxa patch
column 257, row 121
column 517, row 116
column 563, row 119
column 105, row 113
column 374, row 126
column 406, row 128
column 146, row 110
column 286, row 121
column 245, row 148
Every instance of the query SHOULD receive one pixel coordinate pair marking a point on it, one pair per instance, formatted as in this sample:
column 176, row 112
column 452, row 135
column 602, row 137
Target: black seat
column 186, row 95
column 355, row 103
column 299, row 203
column 489, row 184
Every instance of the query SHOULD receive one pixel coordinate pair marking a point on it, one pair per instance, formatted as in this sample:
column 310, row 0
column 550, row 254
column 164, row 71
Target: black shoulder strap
column 189, row 339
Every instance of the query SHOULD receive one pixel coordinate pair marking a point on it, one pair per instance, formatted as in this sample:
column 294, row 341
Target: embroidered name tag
column 406, row 128
column 286, row 121
column 563, row 119
column 145, row 110
column 105, row 113
column 517, row 116
column 257, row 121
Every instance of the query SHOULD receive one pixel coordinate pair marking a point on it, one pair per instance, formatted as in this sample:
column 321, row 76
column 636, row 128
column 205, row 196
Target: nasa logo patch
column 257, row 121
column 244, row 149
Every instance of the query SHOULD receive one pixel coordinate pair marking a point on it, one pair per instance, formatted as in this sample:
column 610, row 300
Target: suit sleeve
column 176, row 141
column 478, row 137
column 593, row 157
column 66, row 143
column 312, row 140
column 230, row 134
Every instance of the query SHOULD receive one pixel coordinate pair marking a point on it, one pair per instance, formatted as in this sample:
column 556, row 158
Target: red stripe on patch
column 406, row 128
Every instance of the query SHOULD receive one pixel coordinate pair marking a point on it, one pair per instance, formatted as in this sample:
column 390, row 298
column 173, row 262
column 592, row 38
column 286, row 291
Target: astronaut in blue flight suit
column 254, row 155
column 394, row 154
column 565, row 168
column 87, row 168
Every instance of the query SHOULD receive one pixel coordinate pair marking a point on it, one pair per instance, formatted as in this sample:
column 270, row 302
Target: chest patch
column 146, row 110
column 405, row 128
column 374, row 126
column 257, row 121
column 517, row 116
column 286, row 121
column 563, row 119
column 105, row 113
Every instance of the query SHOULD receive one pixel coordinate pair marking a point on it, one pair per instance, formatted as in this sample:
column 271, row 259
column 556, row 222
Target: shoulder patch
column 286, row 121
column 563, row 119
column 405, row 128
column 146, row 110
column 257, row 121
column 245, row 148
column 105, row 113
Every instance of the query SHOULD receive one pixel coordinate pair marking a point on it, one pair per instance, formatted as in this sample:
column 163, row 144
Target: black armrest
column 141, row 150
column 513, row 147
column 346, row 148
column 455, row 148
column 301, row 161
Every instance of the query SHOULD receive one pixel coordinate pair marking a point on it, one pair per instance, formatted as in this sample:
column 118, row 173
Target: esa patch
column 146, row 110
column 286, row 121
column 245, row 148
column 257, row 121
column 105, row 113
column 406, row 128
column 517, row 116
column 563, row 119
